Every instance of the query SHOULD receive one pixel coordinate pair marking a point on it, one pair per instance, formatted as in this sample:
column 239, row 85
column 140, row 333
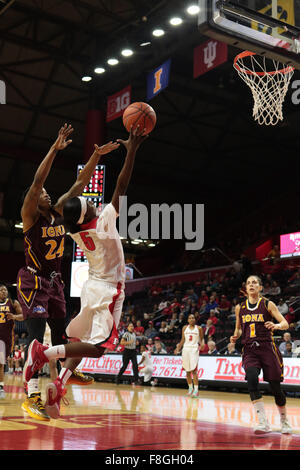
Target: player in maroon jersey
column 256, row 320
column 39, row 283
column 10, row 310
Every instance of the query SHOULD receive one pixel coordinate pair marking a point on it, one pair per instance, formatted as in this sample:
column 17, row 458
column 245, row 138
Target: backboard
column 268, row 27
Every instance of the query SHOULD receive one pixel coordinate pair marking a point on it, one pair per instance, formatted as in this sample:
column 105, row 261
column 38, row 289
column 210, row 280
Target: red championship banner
column 117, row 103
column 209, row 55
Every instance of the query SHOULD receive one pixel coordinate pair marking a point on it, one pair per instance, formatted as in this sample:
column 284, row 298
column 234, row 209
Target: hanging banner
column 209, row 55
column 158, row 79
column 117, row 103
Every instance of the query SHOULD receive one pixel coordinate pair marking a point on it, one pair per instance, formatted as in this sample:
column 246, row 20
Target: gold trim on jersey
column 31, row 254
column 275, row 351
column 29, row 298
column 251, row 309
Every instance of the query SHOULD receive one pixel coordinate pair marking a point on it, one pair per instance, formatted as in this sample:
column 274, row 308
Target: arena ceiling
column 205, row 148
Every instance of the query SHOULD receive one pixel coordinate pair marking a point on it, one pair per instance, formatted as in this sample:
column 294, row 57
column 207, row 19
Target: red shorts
column 40, row 297
column 266, row 356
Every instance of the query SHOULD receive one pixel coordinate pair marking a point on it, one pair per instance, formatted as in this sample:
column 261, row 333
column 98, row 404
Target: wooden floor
column 104, row 416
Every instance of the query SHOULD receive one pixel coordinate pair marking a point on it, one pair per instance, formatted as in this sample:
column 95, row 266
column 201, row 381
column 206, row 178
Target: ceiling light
column 86, row 78
column 112, row 61
column 127, row 52
column 175, row 21
column 143, row 44
column 158, row 33
column 99, row 70
column 193, row 10
column 151, row 244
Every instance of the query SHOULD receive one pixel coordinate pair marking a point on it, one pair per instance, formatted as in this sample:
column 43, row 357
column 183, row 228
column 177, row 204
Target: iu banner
column 158, row 79
column 209, row 55
column 117, row 103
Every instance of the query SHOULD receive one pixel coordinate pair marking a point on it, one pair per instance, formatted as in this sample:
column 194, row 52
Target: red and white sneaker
column 35, row 359
column 55, row 391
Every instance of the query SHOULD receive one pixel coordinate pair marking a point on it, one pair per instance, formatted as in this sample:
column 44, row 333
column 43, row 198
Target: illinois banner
column 209, row 55
column 158, row 79
column 117, row 103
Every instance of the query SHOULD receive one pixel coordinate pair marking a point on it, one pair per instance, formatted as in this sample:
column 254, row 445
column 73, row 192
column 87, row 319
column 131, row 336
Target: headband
column 83, row 209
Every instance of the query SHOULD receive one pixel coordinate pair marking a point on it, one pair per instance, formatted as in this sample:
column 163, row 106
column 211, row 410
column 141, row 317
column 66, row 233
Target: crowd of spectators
column 160, row 312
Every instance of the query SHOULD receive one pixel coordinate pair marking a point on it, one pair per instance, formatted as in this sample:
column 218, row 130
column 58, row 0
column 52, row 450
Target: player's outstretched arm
column 136, row 137
column 85, row 175
column 29, row 211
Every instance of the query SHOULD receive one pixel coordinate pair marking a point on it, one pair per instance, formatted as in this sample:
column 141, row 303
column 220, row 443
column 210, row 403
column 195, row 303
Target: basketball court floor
column 103, row 416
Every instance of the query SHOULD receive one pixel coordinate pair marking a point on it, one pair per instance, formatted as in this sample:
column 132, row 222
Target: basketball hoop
column 268, row 88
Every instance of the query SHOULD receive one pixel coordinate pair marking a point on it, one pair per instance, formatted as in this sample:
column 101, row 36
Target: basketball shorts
column 190, row 358
column 266, row 356
column 99, row 316
column 6, row 346
column 40, row 297
column 147, row 373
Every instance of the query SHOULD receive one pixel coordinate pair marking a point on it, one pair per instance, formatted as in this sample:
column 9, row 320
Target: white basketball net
column 268, row 88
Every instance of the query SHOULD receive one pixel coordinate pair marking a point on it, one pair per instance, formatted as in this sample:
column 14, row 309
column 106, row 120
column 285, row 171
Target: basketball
column 139, row 114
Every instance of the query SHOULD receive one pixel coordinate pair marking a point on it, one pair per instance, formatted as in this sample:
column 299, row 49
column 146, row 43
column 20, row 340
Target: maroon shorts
column 266, row 356
column 40, row 297
column 8, row 339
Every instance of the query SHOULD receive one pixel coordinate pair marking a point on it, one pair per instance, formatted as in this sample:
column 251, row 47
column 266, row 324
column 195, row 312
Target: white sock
column 64, row 375
column 195, row 388
column 191, row 388
column 55, row 352
column 1, row 384
column 33, row 386
column 260, row 410
column 282, row 412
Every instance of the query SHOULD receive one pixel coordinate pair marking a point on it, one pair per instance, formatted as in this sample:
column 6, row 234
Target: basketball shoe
column 263, row 427
column 195, row 394
column 286, row 427
column 55, row 392
column 190, row 392
column 34, row 407
column 35, row 359
column 80, row 379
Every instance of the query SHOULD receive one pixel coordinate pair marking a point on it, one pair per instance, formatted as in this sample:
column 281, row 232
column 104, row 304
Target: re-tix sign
column 2, row 92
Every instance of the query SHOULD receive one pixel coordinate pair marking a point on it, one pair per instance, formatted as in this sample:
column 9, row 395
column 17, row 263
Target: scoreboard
column 94, row 192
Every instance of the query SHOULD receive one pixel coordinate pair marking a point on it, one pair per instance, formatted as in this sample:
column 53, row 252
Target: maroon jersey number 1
column 88, row 241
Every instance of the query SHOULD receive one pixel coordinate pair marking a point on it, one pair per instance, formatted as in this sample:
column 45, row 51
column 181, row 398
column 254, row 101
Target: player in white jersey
column 145, row 366
column 192, row 335
column 102, row 294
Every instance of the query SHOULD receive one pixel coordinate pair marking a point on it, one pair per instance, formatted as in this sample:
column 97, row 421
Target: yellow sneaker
column 80, row 379
column 34, row 407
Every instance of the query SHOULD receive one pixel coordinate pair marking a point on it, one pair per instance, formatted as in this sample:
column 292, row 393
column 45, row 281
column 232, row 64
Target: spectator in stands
column 231, row 351
column 150, row 345
column 156, row 289
column 267, row 289
column 203, row 298
column 275, row 289
column 23, row 338
column 158, row 347
column 295, row 282
column 224, row 308
column 286, row 339
column 288, row 349
column 209, row 330
column 163, row 304
column 274, row 254
column 150, row 332
column 282, row 307
column 212, row 350
column 213, row 316
column 163, row 330
column 139, row 329
column 211, row 305
column 204, row 349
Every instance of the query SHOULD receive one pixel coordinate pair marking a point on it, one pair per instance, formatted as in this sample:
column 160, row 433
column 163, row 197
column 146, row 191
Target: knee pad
column 252, row 374
column 2, row 352
column 278, row 393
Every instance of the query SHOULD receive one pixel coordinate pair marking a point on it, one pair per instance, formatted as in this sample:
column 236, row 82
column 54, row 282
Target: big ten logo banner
column 117, row 103
column 285, row 12
column 209, row 55
column 158, row 79
column 2, row 92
